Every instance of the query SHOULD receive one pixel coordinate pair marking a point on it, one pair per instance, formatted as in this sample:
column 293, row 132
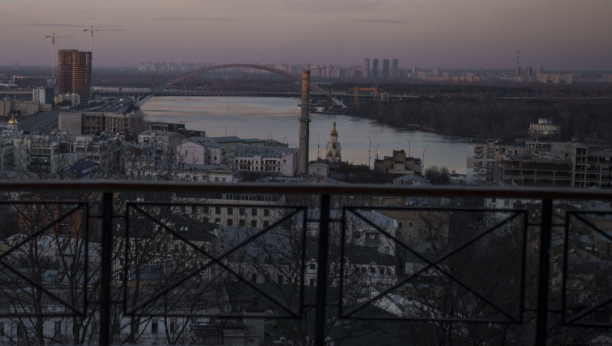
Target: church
column 333, row 147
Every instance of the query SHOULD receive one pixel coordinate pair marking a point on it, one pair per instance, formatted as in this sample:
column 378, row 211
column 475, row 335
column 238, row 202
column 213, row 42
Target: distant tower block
column 334, row 149
column 304, row 124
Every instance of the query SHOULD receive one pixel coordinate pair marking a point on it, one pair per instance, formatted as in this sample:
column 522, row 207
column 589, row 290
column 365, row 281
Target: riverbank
column 490, row 118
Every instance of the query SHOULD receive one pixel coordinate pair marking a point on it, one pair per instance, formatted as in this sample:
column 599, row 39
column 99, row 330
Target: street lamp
column 423, row 162
column 270, row 134
column 318, row 152
column 225, row 130
column 408, row 147
column 284, row 139
column 369, row 150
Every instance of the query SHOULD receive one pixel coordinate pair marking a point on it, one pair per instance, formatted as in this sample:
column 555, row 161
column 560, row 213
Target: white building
column 281, row 160
column 544, row 127
column 43, row 95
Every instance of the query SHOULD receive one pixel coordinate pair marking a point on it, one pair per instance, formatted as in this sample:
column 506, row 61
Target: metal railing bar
column 590, row 224
column 306, row 189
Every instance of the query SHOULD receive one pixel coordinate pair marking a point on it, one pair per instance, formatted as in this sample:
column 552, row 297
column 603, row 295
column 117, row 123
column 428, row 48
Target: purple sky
column 556, row 34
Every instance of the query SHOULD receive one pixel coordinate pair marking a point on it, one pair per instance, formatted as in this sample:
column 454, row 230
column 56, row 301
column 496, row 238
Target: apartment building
column 482, row 158
column 199, row 152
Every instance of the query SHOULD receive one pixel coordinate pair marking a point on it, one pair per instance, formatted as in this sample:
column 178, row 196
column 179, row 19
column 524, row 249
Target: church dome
column 334, row 131
column 12, row 120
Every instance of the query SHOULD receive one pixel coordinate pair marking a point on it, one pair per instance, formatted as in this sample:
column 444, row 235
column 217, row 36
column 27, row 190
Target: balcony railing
column 134, row 251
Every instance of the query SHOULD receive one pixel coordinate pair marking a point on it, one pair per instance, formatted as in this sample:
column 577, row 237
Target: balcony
column 156, row 252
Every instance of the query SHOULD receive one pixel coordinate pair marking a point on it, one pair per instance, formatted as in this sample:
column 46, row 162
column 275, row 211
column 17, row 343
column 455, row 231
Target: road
column 40, row 121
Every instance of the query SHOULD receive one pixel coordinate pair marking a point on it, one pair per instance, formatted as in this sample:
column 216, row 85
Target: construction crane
column 92, row 30
column 53, row 37
column 374, row 89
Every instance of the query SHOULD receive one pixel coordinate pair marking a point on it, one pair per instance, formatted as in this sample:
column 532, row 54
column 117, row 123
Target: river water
column 264, row 117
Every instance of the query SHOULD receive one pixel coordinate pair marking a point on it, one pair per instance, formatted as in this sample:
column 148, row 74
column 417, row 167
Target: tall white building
column 334, row 148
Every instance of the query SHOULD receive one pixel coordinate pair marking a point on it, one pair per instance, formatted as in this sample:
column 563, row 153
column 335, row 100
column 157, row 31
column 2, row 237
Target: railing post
column 322, row 271
column 106, row 268
column 544, row 272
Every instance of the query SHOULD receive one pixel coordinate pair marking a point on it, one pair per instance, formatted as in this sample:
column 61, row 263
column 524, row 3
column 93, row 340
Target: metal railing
column 108, row 215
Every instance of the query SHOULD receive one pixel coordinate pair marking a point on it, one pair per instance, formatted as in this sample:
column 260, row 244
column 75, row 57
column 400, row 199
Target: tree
column 437, row 176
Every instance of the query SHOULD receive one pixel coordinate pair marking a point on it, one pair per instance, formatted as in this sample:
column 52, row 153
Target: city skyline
column 448, row 34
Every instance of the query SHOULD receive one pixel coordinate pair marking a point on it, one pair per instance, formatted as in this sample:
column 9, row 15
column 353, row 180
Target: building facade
column 281, row 160
column 88, row 123
column 74, row 72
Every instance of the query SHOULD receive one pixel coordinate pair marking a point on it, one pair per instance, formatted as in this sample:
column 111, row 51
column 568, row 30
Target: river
column 264, row 117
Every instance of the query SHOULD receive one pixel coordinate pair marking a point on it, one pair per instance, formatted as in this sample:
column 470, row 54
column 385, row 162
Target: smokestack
column 304, row 124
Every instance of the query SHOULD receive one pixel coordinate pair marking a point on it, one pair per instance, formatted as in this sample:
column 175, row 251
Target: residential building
column 88, row 123
column 74, row 72
column 375, row 68
column 543, row 77
column 559, row 78
column 334, row 149
column 395, row 73
column 281, row 160
column 540, row 70
column 43, row 95
column 544, row 127
column 366, row 68
column 200, row 152
column 7, row 156
column 162, row 141
column 398, row 163
column 229, row 144
column 528, row 72
column 385, row 69
column 73, row 99
column 482, row 155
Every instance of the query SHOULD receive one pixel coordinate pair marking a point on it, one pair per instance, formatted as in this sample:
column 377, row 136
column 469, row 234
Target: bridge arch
column 171, row 82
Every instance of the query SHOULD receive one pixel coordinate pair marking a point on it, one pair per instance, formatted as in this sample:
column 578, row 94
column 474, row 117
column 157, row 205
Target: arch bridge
column 160, row 88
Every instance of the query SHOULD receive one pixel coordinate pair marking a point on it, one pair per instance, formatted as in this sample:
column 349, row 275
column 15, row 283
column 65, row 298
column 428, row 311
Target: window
column 266, row 224
column 387, row 250
column 254, row 278
column 230, row 211
column 241, row 223
column 254, row 212
column 506, row 203
column 281, row 279
column 173, row 325
column 223, row 180
column 409, row 239
column 20, row 330
column 154, row 326
column 373, row 270
column 410, row 225
column 253, row 223
column 216, row 179
column 49, row 217
column 242, row 211
column 312, row 266
column 218, row 221
column 230, row 222
column 312, row 281
column 266, row 212
column 400, row 225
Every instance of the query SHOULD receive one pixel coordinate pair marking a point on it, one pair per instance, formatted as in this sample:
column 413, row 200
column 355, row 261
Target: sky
column 556, row 34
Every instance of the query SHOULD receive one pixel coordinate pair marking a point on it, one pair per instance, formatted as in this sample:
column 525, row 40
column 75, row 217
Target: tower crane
column 53, row 37
column 92, row 30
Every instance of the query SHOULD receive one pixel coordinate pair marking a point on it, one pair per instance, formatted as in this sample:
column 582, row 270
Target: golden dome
column 12, row 120
column 334, row 131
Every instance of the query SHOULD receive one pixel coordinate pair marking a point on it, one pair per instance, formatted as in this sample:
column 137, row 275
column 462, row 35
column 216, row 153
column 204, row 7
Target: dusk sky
column 556, row 34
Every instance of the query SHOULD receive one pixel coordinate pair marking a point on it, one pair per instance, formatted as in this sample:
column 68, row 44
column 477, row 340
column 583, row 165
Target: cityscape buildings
column 395, row 69
column 375, row 68
column 385, row 69
column 366, row 68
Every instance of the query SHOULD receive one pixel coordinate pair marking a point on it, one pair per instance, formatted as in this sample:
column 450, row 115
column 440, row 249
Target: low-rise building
column 281, row 160
column 482, row 156
column 162, row 141
column 200, row 152
column 398, row 164
column 88, row 123
column 9, row 106
column 229, row 143
column 544, row 128
column 43, row 95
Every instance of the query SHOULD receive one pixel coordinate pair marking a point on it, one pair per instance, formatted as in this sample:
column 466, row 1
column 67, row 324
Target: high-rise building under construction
column 74, row 73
